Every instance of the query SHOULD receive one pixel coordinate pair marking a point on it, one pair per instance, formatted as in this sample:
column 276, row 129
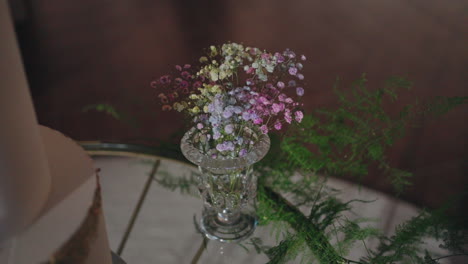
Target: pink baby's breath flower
column 300, row 76
column 287, row 116
column 264, row 129
column 166, row 108
column 165, row 79
column 199, row 125
column 154, row 84
column 265, row 56
column 292, row 70
column 258, row 121
column 288, row 100
column 184, row 84
column 263, row 100
column 280, row 85
column 282, row 97
column 197, row 84
column 185, row 75
column 303, row 57
column 278, row 125
column 298, row 116
column 250, row 70
column 178, row 67
column 187, row 66
column 276, row 108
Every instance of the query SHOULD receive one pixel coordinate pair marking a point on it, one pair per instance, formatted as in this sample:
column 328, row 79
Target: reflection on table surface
column 163, row 230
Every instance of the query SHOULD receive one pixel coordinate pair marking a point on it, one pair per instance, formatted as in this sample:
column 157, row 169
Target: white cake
column 70, row 228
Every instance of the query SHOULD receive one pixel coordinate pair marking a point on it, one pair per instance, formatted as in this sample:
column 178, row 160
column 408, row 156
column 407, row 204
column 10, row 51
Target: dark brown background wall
column 82, row 52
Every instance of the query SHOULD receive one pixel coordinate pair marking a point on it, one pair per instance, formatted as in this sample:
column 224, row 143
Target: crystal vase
column 227, row 186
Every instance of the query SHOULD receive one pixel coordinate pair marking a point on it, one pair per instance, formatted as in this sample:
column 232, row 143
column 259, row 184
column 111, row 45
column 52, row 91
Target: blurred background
column 84, row 52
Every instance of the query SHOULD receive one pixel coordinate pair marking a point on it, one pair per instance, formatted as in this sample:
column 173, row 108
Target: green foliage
column 113, row 112
column 352, row 138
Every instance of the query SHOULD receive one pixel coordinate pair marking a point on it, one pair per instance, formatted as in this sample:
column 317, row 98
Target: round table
column 151, row 220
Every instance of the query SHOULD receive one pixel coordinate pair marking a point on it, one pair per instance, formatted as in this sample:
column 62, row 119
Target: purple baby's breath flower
column 279, row 57
column 288, row 100
column 292, row 70
column 264, row 129
column 300, row 76
column 199, row 125
column 232, row 100
column 237, row 109
column 229, row 129
column 298, row 116
column 225, row 146
column 229, row 145
column 278, row 125
column 242, row 152
column 221, row 147
column 246, row 116
column 280, row 85
column 253, row 115
column 213, row 120
column 227, row 112
column 211, row 108
column 289, row 53
column 216, row 135
column 300, row 91
column 292, row 83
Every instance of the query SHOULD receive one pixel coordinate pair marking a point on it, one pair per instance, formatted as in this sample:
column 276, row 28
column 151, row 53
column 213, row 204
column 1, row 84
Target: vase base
column 237, row 231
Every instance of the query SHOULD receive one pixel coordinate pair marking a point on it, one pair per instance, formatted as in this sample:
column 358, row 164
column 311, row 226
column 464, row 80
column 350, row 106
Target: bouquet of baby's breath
column 235, row 89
